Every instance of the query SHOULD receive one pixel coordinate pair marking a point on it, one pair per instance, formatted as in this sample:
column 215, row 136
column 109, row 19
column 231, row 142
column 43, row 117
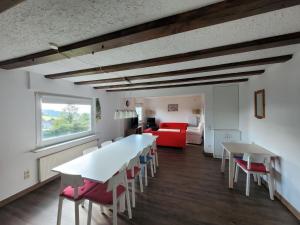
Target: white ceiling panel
column 31, row 25
column 196, row 63
column 256, row 27
column 163, row 85
column 186, row 76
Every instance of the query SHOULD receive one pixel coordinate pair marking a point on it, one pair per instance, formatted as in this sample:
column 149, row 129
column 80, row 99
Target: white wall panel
column 17, row 130
column 279, row 132
column 226, row 107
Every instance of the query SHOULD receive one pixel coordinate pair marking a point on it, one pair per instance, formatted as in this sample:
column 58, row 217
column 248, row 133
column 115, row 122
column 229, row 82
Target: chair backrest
column 154, row 146
column 117, row 179
column 105, row 143
column 75, row 181
column 89, row 150
column 134, row 162
column 255, row 158
column 154, row 142
column 145, row 151
column 118, row 138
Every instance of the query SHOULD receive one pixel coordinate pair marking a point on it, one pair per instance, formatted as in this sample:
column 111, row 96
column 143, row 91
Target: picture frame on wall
column 172, row 107
column 259, row 104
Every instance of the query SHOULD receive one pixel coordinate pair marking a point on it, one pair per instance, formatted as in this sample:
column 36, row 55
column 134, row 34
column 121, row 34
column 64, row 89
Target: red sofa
column 170, row 138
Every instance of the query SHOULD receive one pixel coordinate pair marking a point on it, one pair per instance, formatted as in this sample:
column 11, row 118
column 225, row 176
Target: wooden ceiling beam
column 203, row 17
column 180, row 85
column 211, row 77
column 7, row 4
column 259, row 44
column 249, row 63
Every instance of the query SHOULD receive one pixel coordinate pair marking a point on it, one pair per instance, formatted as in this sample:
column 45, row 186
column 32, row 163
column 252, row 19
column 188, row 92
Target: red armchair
column 170, row 138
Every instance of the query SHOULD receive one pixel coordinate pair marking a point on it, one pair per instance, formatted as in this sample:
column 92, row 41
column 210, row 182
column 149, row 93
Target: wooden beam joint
column 180, row 85
column 234, row 65
column 259, row 44
column 191, row 79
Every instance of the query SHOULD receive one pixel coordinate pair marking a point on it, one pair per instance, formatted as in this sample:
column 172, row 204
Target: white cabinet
column 224, row 136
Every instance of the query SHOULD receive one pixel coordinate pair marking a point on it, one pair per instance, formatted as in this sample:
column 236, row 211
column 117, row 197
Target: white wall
column 280, row 130
column 205, row 91
column 17, row 131
column 244, row 111
column 226, row 107
column 185, row 106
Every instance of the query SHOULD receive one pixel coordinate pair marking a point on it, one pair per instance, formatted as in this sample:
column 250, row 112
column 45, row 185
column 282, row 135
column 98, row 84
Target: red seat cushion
column 101, row 196
column 255, row 167
column 136, row 171
column 69, row 191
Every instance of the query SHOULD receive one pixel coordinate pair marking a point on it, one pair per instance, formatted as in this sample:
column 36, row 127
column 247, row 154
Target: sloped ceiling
column 31, row 25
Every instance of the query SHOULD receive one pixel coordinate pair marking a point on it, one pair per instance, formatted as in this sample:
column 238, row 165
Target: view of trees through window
column 64, row 119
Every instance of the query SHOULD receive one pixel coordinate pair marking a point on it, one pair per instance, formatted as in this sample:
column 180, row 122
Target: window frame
column 139, row 106
column 57, row 140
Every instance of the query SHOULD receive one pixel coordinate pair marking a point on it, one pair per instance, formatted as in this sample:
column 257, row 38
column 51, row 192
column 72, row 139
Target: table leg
column 272, row 178
column 231, row 171
column 223, row 161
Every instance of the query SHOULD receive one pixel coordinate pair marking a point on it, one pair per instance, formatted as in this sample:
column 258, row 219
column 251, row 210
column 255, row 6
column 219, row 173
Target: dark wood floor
column 188, row 190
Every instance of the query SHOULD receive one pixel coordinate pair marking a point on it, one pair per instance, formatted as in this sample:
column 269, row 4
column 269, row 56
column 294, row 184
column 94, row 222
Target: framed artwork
column 259, row 104
column 172, row 107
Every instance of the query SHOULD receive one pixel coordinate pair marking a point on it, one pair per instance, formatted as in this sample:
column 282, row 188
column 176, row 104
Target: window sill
column 64, row 145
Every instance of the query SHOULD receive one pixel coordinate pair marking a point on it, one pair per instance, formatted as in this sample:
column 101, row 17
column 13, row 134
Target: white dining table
column 102, row 164
column 233, row 148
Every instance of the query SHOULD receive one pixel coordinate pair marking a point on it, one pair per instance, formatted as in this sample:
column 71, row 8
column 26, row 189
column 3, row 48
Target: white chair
column 106, row 143
column 118, row 138
column 146, row 159
column 153, row 152
column 133, row 171
column 84, row 152
column 73, row 188
column 258, row 166
column 110, row 194
column 154, row 148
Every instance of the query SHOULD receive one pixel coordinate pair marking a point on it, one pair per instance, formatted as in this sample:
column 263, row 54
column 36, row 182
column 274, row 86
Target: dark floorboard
column 187, row 190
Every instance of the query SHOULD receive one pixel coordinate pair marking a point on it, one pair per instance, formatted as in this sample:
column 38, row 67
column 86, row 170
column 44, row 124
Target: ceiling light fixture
column 56, row 48
column 53, row 46
column 125, row 114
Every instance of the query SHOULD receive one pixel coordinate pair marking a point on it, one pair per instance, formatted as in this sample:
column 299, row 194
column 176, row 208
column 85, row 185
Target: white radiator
column 48, row 162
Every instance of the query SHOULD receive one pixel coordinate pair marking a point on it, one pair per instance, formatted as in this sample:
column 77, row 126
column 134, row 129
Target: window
column 62, row 118
column 139, row 111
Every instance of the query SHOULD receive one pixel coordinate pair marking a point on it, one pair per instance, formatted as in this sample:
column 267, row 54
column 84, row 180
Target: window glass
column 63, row 118
column 139, row 111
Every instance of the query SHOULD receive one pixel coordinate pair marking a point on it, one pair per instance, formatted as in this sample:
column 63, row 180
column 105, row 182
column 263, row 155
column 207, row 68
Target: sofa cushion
column 99, row 194
column 181, row 126
column 68, row 192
